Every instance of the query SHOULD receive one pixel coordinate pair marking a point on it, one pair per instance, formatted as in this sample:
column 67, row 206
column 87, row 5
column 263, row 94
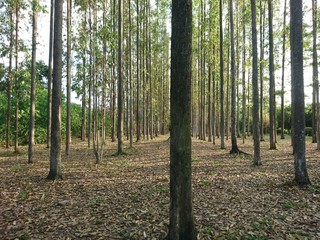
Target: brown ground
column 127, row 197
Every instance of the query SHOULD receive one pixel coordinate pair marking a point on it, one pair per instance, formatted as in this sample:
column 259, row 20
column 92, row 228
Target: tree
column 181, row 222
column 221, row 79
column 315, row 83
column 55, row 150
column 234, row 147
column 283, row 62
column 68, row 120
column 49, row 108
column 33, row 79
column 9, row 81
column 16, row 121
column 120, row 80
column 297, row 86
column 272, row 108
column 255, row 91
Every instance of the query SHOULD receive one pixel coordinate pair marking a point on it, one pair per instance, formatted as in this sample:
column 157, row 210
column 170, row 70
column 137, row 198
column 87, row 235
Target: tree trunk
column 83, row 100
column 244, row 108
column 315, row 83
column 138, row 76
column 33, row 79
column 234, row 147
column 272, row 107
column 49, row 107
column 68, row 120
column 255, row 90
column 16, row 122
column 55, row 150
column 297, row 86
column 10, row 77
column 222, row 130
column 120, row 81
column 181, row 222
column 262, row 35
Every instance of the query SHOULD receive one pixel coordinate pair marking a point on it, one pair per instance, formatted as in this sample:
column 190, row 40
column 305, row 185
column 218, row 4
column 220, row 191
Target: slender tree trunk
column 283, row 62
column 83, row 100
column 297, row 86
column 262, row 35
column 33, row 79
column 9, row 81
column 49, row 107
column 222, row 130
column 130, row 78
column 244, row 108
column 55, row 150
column 120, row 80
column 234, row 147
column 315, row 84
column 68, row 120
column 272, row 109
column 113, row 118
column 16, row 123
column 255, row 89
column 181, row 222
column 138, row 76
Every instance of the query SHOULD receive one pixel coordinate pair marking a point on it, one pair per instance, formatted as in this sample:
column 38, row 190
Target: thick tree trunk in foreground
column 55, row 150
column 297, row 86
column 181, row 223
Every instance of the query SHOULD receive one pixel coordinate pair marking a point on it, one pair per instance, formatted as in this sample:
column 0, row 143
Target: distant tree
column 297, row 86
column 33, row 79
column 255, row 89
column 181, row 222
column 55, row 150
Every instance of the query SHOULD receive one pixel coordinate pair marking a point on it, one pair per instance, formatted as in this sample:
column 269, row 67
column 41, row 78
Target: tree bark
column 272, row 107
column 283, row 62
column 297, row 86
column 234, row 147
column 49, row 106
column 55, row 150
column 33, row 79
column 255, row 90
column 120, row 80
column 181, row 222
column 68, row 120
column 222, row 130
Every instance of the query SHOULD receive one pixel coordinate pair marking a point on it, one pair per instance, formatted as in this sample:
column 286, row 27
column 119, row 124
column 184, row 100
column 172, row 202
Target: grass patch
column 286, row 205
column 22, row 196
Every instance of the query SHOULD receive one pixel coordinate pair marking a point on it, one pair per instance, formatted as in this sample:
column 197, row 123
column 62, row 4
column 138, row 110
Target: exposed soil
column 127, row 197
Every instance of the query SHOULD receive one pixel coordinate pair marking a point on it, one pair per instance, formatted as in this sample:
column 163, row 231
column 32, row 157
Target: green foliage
column 288, row 204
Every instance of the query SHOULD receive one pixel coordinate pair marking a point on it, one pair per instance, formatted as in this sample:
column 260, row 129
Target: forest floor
column 127, row 197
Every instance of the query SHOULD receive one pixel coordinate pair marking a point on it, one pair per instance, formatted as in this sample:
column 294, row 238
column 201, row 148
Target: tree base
column 54, row 176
